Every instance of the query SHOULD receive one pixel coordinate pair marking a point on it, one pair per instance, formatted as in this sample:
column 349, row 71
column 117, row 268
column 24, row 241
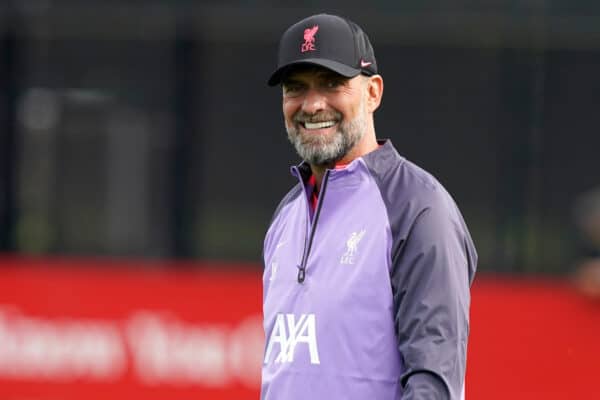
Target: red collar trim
column 314, row 195
column 312, row 181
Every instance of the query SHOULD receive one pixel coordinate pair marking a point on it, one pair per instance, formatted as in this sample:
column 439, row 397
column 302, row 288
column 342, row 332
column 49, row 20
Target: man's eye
column 291, row 89
column 332, row 84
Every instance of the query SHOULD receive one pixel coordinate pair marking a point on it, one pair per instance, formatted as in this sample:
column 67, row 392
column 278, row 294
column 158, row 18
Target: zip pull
column 301, row 274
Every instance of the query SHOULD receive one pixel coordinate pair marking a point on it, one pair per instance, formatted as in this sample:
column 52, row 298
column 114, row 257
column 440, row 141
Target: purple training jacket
column 369, row 297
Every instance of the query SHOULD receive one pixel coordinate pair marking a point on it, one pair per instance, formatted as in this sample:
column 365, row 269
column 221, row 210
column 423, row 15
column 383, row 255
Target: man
column 368, row 262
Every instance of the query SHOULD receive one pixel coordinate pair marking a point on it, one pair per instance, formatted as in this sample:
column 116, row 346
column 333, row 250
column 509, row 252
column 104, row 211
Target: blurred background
column 142, row 155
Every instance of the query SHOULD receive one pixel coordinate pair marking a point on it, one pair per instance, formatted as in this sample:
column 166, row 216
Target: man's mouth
column 318, row 125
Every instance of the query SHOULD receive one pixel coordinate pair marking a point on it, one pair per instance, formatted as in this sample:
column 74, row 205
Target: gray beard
column 327, row 149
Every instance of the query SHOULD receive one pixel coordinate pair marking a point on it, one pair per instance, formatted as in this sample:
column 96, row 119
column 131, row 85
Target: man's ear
column 374, row 92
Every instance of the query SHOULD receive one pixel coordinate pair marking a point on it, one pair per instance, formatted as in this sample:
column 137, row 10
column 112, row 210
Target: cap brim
column 335, row 66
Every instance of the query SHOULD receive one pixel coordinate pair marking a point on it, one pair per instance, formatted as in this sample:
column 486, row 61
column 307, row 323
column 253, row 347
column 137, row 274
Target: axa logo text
column 289, row 332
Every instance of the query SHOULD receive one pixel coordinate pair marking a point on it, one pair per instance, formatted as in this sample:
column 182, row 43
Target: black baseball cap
column 329, row 41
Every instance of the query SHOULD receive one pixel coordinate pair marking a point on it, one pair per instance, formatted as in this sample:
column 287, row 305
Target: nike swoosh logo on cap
column 364, row 64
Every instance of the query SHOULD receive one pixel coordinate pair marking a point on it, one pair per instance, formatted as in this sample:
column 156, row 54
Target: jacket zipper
column 308, row 245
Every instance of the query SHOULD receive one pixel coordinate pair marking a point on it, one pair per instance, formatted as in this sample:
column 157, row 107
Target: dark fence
column 147, row 129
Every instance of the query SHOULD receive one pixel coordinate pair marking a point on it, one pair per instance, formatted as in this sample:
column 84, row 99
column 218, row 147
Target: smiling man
column 368, row 262
column 328, row 116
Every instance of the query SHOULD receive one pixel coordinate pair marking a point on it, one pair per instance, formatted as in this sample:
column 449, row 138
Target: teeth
column 319, row 125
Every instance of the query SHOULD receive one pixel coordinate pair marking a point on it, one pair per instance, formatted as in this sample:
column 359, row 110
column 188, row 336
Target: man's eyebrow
column 288, row 81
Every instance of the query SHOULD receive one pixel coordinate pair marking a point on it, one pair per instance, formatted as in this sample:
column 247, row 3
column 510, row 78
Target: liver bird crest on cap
column 309, row 39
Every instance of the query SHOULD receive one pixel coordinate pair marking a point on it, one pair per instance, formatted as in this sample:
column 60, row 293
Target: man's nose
column 314, row 101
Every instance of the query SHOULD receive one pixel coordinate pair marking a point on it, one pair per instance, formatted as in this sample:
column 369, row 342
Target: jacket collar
column 386, row 150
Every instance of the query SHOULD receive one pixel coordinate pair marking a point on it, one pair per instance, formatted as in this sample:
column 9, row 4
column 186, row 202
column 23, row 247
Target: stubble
column 317, row 149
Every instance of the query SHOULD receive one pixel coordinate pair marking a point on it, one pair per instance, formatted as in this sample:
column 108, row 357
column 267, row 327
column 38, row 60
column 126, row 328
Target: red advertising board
column 532, row 339
column 102, row 329
column 75, row 329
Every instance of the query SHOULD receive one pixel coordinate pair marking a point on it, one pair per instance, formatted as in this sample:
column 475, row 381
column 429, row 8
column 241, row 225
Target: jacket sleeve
column 431, row 276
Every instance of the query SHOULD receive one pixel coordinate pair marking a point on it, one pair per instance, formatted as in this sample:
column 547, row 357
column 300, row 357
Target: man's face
column 324, row 112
